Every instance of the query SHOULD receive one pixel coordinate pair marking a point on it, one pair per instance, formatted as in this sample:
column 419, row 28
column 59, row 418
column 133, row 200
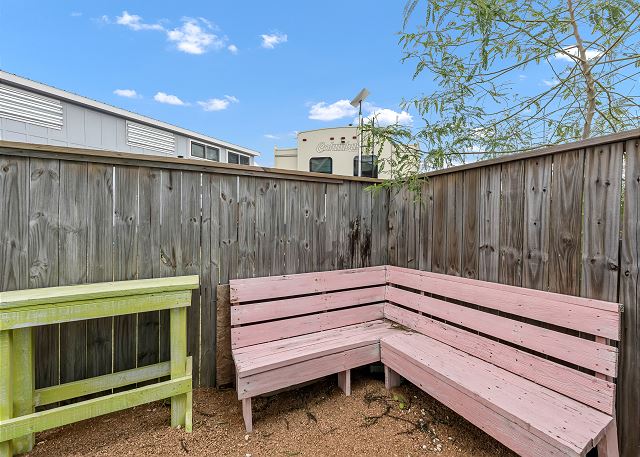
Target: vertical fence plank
column 331, row 230
column 537, row 201
column 489, row 218
column 453, row 225
column 266, row 241
column 246, row 227
column 470, row 231
column 511, row 222
column 228, row 228
column 439, row 250
column 426, row 226
column 293, row 227
column 601, row 222
column 628, row 404
column 306, row 221
column 365, row 225
column 565, row 222
column 148, row 260
column 209, row 278
column 44, row 195
column 393, row 225
column 99, row 261
column 278, row 188
column 191, row 214
column 355, row 224
column 319, row 225
column 125, row 261
column 73, row 267
column 379, row 226
column 170, row 243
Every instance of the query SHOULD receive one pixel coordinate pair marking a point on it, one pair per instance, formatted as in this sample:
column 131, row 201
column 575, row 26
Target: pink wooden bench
column 533, row 369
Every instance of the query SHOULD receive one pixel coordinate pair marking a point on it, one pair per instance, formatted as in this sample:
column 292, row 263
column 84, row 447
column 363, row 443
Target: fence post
column 6, row 397
column 178, row 337
column 23, row 383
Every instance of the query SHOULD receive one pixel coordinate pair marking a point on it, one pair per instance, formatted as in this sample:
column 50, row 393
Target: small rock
column 246, row 437
column 424, row 446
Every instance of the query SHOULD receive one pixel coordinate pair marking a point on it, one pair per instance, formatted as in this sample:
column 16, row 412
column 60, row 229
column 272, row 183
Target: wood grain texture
column 440, row 207
column 511, row 223
column 426, row 226
column 43, row 259
column 537, row 204
column 470, row 228
column 629, row 375
column 489, row 219
column 565, row 223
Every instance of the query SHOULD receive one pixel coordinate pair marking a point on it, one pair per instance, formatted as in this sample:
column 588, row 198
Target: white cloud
column 386, row 116
column 218, row 104
column 128, row 93
column 271, row 136
column 270, row 41
column 232, row 48
column 161, row 97
column 76, row 14
column 337, row 110
column 134, row 22
column 573, row 51
column 193, row 38
column 550, row 82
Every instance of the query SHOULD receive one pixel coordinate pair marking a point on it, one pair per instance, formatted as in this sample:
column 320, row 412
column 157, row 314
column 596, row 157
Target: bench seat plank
column 308, row 370
column 558, row 420
column 277, row 354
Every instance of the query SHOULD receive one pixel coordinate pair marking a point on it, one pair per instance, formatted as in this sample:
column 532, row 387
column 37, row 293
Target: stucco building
column 31, row 112
column 331, row 150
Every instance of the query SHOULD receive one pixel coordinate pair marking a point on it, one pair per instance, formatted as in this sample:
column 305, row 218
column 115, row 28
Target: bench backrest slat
column 592, row 391
column 579, row 315
column 578, row 351
column 269, row 288
column 286, row 328
column 279, row 307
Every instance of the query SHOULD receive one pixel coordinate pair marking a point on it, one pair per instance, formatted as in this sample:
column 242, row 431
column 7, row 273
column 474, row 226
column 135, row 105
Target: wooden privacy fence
column 22, row 310
column 74, row 216
column 564, row 219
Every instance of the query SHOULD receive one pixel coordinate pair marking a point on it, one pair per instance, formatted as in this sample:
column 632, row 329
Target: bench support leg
column 391, row 378
column 246, row 414
column 608, row 445
column 344, row 382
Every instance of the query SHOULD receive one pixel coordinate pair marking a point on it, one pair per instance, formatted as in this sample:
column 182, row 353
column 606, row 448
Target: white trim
column 239, row 154
column 206, row 145
column 24, row 83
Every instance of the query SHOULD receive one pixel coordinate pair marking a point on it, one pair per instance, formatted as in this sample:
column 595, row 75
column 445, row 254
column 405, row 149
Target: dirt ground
column 316, row 420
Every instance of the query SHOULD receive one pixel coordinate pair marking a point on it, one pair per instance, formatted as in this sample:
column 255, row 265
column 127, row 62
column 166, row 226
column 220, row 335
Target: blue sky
column 251, row 73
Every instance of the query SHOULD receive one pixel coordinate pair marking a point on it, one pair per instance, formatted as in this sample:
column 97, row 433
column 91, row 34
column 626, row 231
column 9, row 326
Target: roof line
column 24, row 83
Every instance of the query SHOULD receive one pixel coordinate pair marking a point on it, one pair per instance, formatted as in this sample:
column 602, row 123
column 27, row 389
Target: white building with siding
column 31, row 112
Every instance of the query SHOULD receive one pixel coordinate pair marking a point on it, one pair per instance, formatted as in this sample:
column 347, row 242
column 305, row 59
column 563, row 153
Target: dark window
column 205, row 152
column 321, row 165
column 369, row 166
column 213, row 153
column 238, row 158
column 197, row 150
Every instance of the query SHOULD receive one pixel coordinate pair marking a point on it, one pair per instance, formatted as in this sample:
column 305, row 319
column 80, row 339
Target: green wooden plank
column 75, row 389
column 52, row 295
column 23, row 383
column 90, row 309
column 6, row 381
column 87, row 409
column 178, row 339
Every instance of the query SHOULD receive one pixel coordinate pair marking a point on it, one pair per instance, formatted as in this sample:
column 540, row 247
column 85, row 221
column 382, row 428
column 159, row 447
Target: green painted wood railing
column 21, row 310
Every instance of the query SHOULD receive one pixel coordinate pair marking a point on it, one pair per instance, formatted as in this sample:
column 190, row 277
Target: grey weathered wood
column 292, row 222
column 393, row 225
column 489, row 219
column 209, row 278
column 148, row 261
column 125, row 261
column 379, row 224
column 319, row 226
column 99, row 261
column 565, row 223
column 170, row 243
column 306, row 223
column 402, row 222
column 470, row 226
column 246, row 227
column 44, row 187
column 425, row 244
column 265, row 239
column 72, row 267
column 414, row 226
column 439, row 250
column 228, row 217
column 628, row 404
column 537, row 204
column 511, row 223
column 331, row 229
column 365, row 225
column 454, row 224
column 191, row 213
column 601, row 222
